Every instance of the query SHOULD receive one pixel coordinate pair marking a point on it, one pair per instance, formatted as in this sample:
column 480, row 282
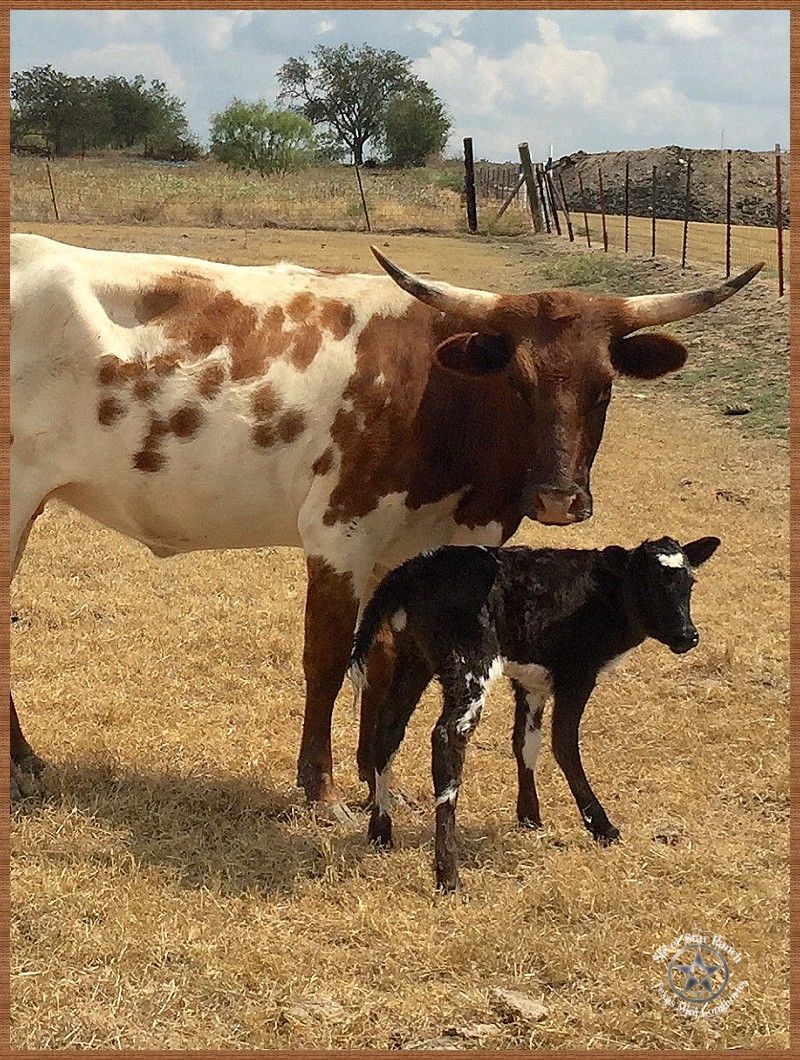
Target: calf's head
column 560, row 351
column 659, row 580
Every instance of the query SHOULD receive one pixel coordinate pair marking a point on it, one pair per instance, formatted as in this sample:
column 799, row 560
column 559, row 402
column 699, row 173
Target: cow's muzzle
column 559, row 507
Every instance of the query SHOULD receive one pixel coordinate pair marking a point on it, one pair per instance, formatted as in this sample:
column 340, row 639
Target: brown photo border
column 793, row 6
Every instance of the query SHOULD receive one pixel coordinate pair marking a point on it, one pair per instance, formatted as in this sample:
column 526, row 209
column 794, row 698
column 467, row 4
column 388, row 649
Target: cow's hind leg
column 331, row 609
column 26, row 506
column 411, row 676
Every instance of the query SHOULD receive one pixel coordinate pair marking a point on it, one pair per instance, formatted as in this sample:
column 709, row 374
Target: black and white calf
column 551, row 620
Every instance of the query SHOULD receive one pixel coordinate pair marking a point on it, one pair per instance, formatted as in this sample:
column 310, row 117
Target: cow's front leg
column 570, row 698
column 331, row 609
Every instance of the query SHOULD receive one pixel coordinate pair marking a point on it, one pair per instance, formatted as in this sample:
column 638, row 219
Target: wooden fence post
column 686, row 212
column 585, row 214
column 566, row 208
column 728, row 219
column 469, row 185
column 530, row 184
column 551, row 198
column 653, row 239
column 363, row 200
column 52, row 189
column 779, row 215
column 543, row 199
column 603, row 208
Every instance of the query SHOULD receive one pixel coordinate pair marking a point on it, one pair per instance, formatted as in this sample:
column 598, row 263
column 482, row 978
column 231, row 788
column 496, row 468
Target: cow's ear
column 474, row 354
column 697, row 552
column 647, row 355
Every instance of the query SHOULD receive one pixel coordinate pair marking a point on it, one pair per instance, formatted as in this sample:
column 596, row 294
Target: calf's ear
column 697, row 552
column 474, row 354
column 647, row 355
column 616, row 555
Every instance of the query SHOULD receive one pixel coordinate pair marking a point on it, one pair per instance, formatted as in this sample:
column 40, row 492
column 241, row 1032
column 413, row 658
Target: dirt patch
column 170, row 891
column 752, row 183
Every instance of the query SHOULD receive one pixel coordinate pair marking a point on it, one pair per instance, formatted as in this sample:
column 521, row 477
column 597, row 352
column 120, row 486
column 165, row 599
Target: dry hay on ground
column 170, row 890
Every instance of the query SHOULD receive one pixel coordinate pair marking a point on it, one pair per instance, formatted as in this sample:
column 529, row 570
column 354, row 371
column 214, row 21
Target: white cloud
column 325, row 25
column 218, row 27
column 682, row 25
column 127, row 60
column 435, row 23
column 545, row 71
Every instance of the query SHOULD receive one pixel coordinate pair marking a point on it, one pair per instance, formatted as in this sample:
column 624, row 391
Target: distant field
column 207, row 194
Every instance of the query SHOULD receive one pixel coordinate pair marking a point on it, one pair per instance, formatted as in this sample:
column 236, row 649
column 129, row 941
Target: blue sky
column 597, row 80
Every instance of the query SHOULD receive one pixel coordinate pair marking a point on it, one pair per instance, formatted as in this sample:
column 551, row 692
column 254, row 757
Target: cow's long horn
column 461, row 301
column 649, row 310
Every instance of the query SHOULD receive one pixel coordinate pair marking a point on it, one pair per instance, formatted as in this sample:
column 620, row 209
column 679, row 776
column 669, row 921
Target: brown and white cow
column 362, row 418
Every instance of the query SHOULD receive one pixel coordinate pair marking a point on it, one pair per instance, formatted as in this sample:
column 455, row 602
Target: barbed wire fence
column 725, row 207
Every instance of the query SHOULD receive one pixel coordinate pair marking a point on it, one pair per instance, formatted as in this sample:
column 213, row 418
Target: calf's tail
column 386, row 602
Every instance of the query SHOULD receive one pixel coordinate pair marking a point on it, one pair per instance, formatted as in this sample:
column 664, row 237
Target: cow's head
column 561, row 351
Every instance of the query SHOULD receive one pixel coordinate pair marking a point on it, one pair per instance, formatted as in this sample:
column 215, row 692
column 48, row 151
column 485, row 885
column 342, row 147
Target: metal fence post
column 469, row 185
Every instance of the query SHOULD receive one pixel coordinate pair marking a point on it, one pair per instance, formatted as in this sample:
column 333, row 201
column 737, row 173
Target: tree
column 346, row 89
column 73, row 113
column 51, row 104
column 416, row 127
column 255, row 136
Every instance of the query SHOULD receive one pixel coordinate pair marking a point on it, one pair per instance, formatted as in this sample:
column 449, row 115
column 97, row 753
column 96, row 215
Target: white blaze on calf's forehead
column 671, row 559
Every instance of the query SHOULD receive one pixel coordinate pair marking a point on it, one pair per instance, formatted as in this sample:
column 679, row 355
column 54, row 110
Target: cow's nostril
column 556, row 509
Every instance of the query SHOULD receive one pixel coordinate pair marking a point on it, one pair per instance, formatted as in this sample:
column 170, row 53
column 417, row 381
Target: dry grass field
column 169, row 888
column 705, row 242
column 117, row 191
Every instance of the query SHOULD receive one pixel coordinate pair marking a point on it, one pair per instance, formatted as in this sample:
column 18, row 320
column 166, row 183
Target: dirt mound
column 752, row 183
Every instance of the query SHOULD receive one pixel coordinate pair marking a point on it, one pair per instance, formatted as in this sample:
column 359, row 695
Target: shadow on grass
column 228, row 834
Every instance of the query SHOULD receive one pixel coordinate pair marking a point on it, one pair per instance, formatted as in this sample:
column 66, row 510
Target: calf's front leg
column 570, row 698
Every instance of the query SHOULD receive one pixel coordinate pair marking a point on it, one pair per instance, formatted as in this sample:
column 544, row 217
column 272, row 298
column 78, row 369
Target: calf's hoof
column 530, row 824
column 606, row 836
column 447, row 883
column 380, row 830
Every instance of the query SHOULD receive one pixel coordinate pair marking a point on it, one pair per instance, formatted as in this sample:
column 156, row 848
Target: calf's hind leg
column 571, row 697
column 411, row 676
column 464, row 696
column 527, row 742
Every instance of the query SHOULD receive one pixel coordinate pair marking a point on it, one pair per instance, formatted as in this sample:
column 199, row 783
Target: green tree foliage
column 416, row 127
column 255, row 136
column 71, row 114
column 347, row 90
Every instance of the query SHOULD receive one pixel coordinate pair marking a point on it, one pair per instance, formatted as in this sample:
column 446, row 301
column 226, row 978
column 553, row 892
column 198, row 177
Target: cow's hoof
column 336, row 813
column 32, row 764
column 23, row 779
column 529, row 824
